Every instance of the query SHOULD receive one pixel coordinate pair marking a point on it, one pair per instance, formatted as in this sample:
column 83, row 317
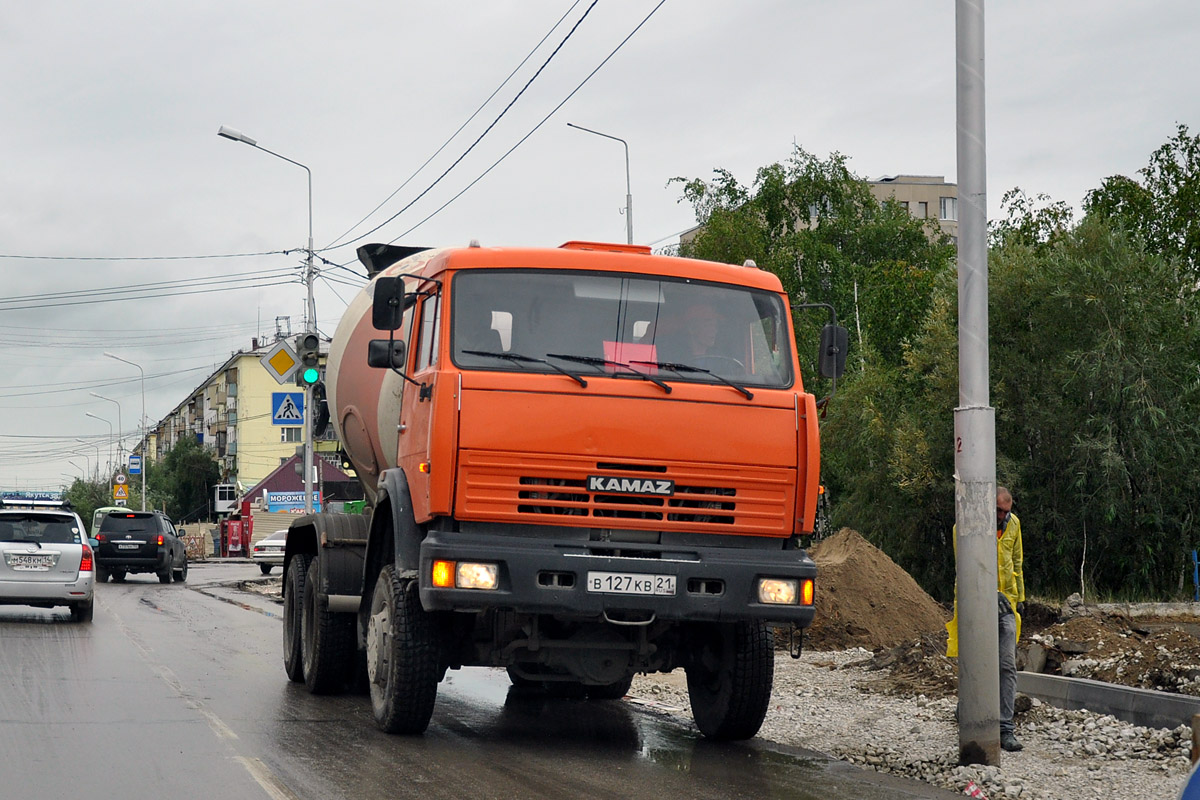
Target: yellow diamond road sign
column 280, row 362
column 120, row 492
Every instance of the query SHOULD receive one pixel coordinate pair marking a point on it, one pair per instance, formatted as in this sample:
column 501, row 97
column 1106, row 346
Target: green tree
column 818, row 227
column 86, row 496
column 1164, row 208
column 187, row 474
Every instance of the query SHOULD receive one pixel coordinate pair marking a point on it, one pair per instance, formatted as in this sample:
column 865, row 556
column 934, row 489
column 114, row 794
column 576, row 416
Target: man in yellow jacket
column 1010, row 598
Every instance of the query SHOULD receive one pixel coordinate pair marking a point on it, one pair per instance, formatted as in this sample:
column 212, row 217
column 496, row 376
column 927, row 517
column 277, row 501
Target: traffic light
column 308, row 350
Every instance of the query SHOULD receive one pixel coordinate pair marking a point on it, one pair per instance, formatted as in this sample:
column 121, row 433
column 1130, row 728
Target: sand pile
column 863, row 599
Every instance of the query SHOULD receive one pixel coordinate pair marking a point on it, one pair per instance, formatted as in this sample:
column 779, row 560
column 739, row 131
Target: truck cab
column 583, row 463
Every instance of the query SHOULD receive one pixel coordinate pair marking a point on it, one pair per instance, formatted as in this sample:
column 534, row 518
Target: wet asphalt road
column 179, row 691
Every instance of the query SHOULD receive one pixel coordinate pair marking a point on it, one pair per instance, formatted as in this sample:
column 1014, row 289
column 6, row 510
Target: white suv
column 45, row 559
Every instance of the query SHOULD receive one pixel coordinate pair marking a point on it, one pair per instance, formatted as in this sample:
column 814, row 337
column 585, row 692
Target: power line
column 526, row 136
column 147, row 296
column 235, row 277
column 145, row 258
column 460, row 128
column 438, row 180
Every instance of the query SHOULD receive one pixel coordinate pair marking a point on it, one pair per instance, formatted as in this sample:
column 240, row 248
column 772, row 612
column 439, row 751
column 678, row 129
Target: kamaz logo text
column 602, row 483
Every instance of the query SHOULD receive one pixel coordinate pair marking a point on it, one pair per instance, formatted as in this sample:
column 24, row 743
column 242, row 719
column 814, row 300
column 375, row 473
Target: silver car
column 45, row 558
column 268, row 552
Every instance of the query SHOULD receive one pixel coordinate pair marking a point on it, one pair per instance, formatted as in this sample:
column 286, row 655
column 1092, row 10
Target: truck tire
column 293, row 600
column 326, row 640
column 729, row 680
column 181, row 573
column 402, row 656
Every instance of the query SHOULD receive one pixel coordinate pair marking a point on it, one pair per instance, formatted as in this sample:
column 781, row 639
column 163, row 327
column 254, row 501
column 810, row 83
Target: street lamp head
column 236, row 135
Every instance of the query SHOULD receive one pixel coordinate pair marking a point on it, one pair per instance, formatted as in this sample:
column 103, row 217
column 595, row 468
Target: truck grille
column 549, row 489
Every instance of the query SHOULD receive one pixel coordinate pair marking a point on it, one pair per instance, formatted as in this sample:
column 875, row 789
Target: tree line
column 1093, row 362
column 181, row 484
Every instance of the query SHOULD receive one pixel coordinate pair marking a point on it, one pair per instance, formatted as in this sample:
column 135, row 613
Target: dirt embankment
column 864, row 599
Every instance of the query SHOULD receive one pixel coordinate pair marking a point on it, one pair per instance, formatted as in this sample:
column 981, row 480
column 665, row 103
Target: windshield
column 39, row 528
column 675, row 330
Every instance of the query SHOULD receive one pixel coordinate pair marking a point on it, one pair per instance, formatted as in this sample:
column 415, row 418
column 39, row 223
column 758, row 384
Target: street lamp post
column 120, row 427
column 142, row 425
column 90, row 444
column 311, row 326
column 110, row 436
column 628, row 189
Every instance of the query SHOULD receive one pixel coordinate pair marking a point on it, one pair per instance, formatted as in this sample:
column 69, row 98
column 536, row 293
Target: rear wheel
column 181, row 573
column 101, row 574
column 294, row 577
column 326, row 640
column 265, row 568
column 402, row 656
column 164, row 574
column 729, row 680
column 82, row 612
column 118, row 576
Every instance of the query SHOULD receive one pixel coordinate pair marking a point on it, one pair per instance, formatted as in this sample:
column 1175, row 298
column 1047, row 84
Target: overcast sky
column 111, row 110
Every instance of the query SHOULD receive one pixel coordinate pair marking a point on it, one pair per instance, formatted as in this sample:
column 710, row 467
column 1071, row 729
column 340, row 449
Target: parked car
column 268, row 552
column 45, row 558
column 139, row 541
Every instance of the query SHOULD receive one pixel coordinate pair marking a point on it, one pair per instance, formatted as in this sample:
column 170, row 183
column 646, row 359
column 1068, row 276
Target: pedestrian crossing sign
column 287, row 408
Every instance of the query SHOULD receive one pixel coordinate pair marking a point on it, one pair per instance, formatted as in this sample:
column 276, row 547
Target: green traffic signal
column 310, row 376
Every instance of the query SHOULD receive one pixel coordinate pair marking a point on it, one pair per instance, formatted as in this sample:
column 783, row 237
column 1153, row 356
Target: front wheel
column 402, row 656
column 118, row 576
column 610, row 691
column 729, row 680
column 294, row 577
column 265, row 569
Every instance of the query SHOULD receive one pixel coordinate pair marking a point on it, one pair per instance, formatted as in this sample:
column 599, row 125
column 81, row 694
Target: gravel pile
column 831, row 702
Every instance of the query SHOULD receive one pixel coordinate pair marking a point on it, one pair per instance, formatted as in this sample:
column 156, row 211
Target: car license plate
column 20, row 561
column 128, row 546
column 630, row 583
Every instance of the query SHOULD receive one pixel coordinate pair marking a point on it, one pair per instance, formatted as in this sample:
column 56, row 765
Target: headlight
column 464, row 575
column 785, row 591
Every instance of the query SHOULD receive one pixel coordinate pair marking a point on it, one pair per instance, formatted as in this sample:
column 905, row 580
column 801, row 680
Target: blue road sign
column 287, row 408
column 135, row 465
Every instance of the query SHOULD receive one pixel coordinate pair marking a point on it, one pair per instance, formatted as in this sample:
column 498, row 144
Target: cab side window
column 427, row 344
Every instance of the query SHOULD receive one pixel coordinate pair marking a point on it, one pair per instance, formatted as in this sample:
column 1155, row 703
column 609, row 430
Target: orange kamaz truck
column 581, row 463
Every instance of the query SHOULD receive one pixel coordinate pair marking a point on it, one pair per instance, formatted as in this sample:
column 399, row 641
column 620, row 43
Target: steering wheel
column 716, row 362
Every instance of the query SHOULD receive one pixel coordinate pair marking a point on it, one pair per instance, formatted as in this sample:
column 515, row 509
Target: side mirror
column 835, row 341
column 94, row 542
column 387, row 310
column 386, row 354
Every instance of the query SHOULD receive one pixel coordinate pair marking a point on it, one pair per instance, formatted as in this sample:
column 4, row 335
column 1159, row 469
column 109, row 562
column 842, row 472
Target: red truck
column 581, row 463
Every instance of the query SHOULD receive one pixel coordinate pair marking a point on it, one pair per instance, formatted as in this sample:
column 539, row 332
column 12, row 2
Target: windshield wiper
column 27, row 541
column 682, row 368
column 528, row 360
column 600, row 363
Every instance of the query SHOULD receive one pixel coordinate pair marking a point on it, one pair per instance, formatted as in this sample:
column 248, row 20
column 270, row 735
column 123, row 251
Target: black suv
column 139, row 541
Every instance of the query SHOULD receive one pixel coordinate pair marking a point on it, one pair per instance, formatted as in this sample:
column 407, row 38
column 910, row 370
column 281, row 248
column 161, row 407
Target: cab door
column 417, row 409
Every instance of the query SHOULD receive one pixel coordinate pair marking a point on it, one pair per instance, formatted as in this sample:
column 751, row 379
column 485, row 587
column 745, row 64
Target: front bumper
column 19, row 593
column 533, row 572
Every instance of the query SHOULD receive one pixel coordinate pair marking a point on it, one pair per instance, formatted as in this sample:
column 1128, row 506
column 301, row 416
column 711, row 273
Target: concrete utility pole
column 974, row 419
